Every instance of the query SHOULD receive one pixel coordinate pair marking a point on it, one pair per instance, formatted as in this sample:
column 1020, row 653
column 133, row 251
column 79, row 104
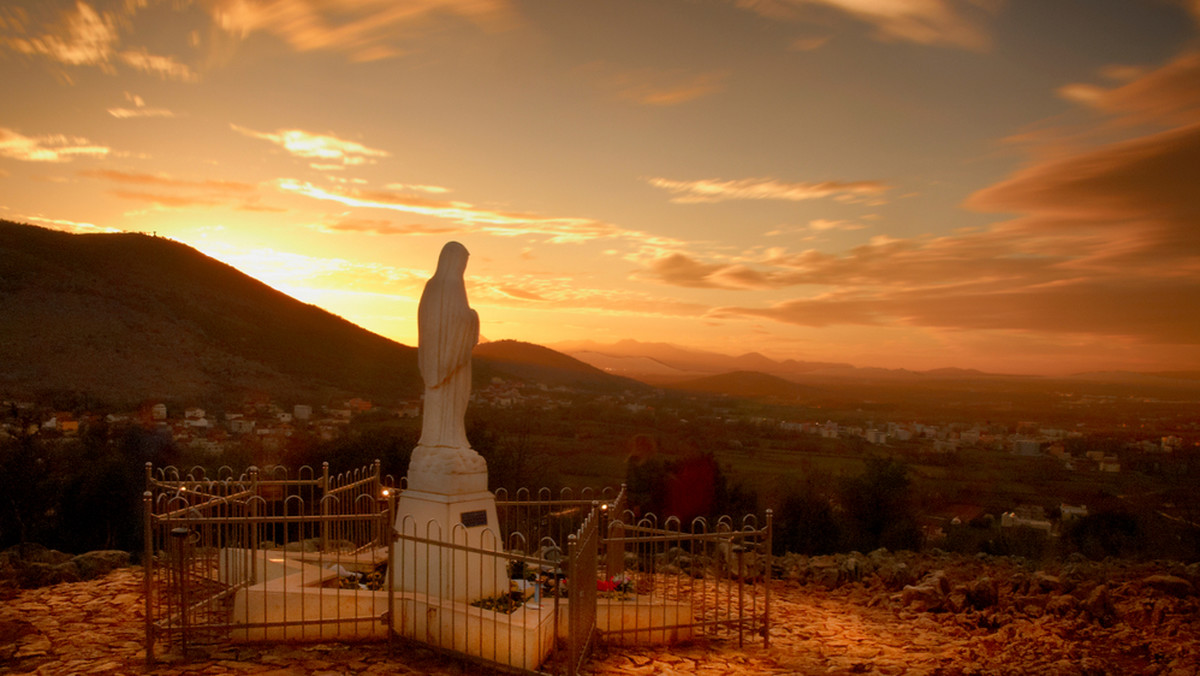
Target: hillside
column 748, row 384
column 535, row 363
column 635, row 358
column 124, row 318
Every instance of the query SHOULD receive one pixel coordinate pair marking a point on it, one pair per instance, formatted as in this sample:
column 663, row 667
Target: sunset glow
column 1007, row 185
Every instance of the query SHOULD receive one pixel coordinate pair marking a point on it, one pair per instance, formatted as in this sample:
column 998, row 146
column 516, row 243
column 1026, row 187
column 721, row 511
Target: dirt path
column 96, row 627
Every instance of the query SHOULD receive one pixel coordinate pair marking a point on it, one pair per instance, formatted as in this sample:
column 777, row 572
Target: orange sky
column 1007, row 185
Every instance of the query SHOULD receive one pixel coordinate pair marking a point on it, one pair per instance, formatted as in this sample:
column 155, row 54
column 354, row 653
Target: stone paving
column 95, row 627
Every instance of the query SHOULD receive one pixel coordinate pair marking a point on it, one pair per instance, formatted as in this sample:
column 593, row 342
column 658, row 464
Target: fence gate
column 211, row 542
column 582, row 553
column 183, row 525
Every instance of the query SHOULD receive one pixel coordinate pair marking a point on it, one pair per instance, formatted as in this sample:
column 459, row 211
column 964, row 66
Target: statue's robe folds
column 448, row 331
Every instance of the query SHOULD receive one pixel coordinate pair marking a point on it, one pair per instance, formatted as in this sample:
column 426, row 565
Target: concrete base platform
column 637, row 621
column 299, row 601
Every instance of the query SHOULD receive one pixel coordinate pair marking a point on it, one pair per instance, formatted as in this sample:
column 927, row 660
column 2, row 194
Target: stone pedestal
column 441, row 509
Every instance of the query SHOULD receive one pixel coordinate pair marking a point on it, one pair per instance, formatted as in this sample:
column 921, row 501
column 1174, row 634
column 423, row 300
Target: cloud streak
column 331, row 151
column 925, row 22
column 139, row 109
column 1169, row 95
column 1102, row 241
column 365, row 30
column 720, row 190
column 384, row 227
column 167, row 192
column 83, row 38
column 49, row 148
column 502, row 223
column 86, row 37
column 166, row 67
column 162, row 180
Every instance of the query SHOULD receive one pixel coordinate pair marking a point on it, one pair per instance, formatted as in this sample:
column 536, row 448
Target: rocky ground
column 848, row 614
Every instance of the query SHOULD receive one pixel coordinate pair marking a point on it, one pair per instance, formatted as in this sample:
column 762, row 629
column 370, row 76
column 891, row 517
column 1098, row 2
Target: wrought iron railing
column 277, row 556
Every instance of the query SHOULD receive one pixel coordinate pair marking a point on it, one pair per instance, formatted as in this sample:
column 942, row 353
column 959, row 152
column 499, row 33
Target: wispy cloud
column 433, row 189
column 1147, row 311
column 469, row 217
column 656, row 87
column 165, row 67
column 1102, row 244
column 574, row 294
column 366, row 30
column 926, row 22
column 49, row 148
column 1169, row 95
column 166, row 200
column 720, row 190
column 520, row 294
column 822, row 224
column 139, row 109
column 163, row 191
column 85, row 37
column 372, row 226
column 127, row 113
column 138, row 178
column 69, row 225
column 331, row 151
column 1150, row 179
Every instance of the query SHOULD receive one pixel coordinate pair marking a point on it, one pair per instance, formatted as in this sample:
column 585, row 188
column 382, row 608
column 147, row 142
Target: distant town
column 208, row 432
column 201, row 429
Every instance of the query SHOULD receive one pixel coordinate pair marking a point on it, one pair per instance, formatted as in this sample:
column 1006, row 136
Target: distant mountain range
column 672, row 366
column 125, row 318
column 665, row 363
column 750, row 384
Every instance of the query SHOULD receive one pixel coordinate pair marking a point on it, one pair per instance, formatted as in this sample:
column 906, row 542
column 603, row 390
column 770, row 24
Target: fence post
column 254, row 526
column 148, row 566
column 180, row 535
column 574, row 609
column 767, row 586
column 740, row 550
column 614, row 551
column 324, row 506
column 389, row 540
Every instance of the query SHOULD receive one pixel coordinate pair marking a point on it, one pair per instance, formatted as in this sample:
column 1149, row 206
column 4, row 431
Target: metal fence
column 268, row 556
column 213, row 544
column 671, row 584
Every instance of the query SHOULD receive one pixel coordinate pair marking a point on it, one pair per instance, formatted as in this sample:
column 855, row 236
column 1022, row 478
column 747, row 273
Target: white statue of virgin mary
column 448, row 330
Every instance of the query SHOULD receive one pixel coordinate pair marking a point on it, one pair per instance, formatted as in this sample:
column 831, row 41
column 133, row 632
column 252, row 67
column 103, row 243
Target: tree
column 878, row 507
column 805, row 522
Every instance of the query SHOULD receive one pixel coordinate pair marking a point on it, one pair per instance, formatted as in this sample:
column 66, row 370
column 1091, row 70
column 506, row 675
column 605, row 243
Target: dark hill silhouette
column 749, row 384
column 530, row 362
column 121, row 318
